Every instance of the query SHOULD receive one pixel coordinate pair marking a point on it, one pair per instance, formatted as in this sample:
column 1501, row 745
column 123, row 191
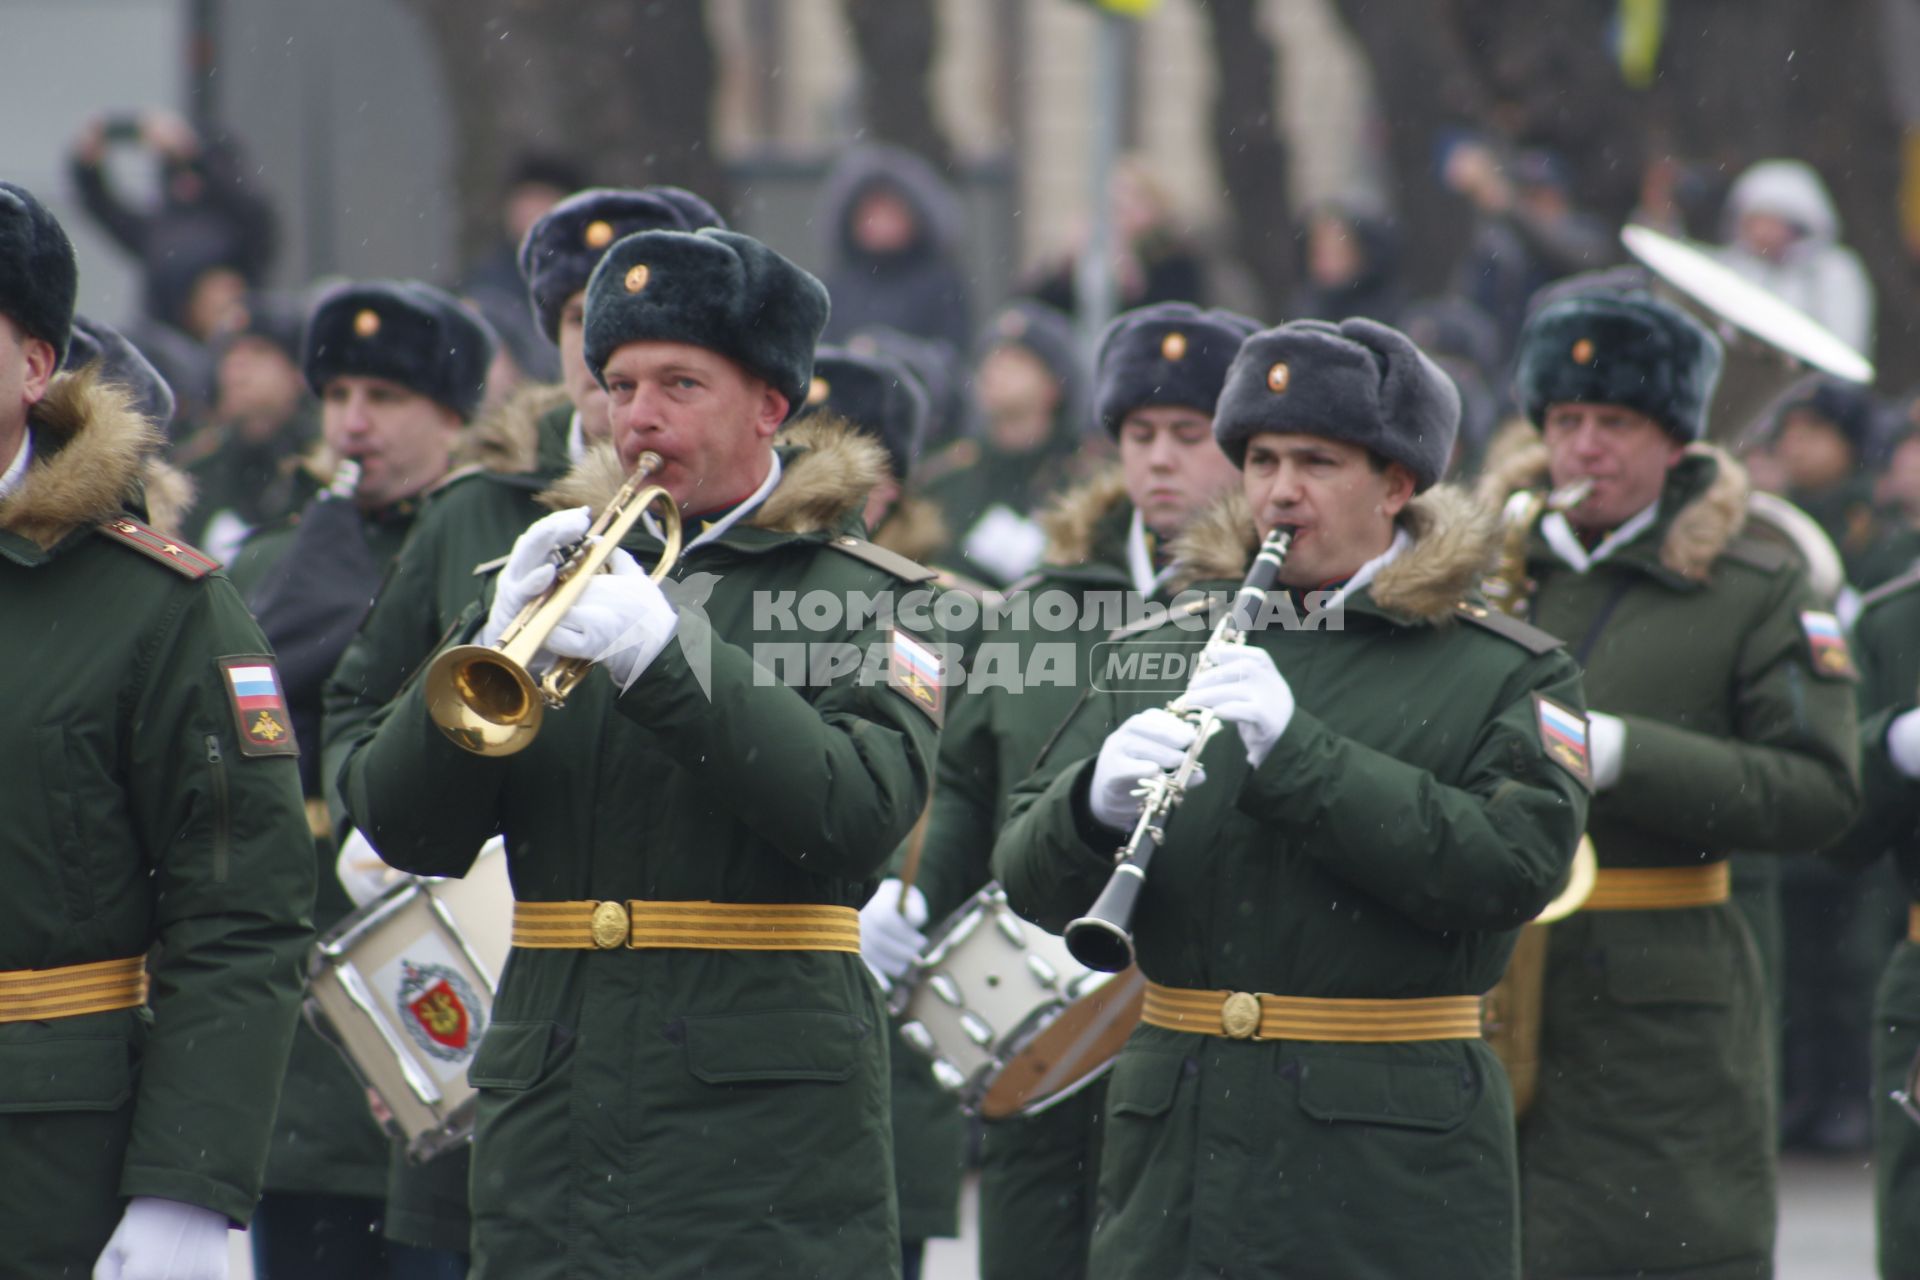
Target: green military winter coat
column 1401, row 831
column 1650, row 1146
column 679, row 1113
column 1888, row 648
column 139, row 820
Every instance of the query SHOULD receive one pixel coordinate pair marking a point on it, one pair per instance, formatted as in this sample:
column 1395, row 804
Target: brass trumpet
column 484, row 697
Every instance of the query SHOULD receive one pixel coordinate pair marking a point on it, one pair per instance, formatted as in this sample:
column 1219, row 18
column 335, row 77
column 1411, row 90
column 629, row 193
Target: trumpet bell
column 483, row 700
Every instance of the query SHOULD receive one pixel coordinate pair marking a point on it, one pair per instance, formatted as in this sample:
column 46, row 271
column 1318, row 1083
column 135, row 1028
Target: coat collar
column 94, row 456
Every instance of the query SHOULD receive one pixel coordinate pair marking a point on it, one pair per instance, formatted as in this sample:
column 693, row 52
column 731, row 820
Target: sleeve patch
column 914, row 672
column 1827, row 645
column 259, row 707
column 1563, row 734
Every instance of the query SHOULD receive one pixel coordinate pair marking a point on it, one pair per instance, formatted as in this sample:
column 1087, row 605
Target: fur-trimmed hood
column 829, row 468
column 506, row 438
column 1696, row 534
column 93, row 457
column 1072, row 520
column 1454, row 543
column 914, row 529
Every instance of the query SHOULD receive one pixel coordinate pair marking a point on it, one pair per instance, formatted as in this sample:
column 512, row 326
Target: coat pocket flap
column 511, row 1055
column 1143, row 1084
column 1407, row 1095
column 93, row 1073
column 779, row 1044
column 1670, row 975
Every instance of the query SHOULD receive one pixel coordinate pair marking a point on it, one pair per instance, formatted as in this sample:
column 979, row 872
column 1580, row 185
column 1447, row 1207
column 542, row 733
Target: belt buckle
column 610, row 925
column 1240, row 1016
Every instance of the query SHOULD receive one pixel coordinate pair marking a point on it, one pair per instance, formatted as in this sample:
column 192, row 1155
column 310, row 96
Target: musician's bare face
column 402, row 441
column 1626, row 454
column 1341, row 500
column 1171, row 465
column 711, row 422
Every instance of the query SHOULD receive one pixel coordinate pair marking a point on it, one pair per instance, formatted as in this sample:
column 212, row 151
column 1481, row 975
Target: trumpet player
column 1890, row 770
column 686, row 1070
column 1402, row 788
column 512, row 453
column 1722, row 719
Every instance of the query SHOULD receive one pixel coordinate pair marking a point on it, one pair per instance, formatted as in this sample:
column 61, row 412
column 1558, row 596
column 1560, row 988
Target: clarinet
column 1102, row 939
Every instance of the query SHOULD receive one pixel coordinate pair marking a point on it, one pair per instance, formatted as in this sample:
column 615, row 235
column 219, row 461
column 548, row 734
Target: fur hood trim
column 1696, row 534
column 826, row 479
column 914, row 529
column 1073, row 518
column 94, row 456
column 1454, row 543
column 506, row 438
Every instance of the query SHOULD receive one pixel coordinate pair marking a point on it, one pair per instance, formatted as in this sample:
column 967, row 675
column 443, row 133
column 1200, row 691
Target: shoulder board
column 880, row 558
column 1522, row 633
column 486, row 567
column 948, row 580
column 1767, row 557
column 1890, row 588
column 187, row 561
column 1184, row 609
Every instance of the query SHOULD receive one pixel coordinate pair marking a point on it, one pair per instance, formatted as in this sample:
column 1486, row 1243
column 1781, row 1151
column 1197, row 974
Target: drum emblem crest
column 444, row 1016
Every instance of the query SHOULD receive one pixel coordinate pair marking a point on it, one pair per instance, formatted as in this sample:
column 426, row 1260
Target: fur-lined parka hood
column 506, row 438
column 914, row 529
column 1072, row 521
column 1454, row 542
column 1695, row 535
column 829, row 468
column 93, row 457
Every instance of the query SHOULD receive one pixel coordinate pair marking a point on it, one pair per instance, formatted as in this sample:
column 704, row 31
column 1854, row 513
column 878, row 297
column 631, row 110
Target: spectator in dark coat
column 893, row 229
column 1349, row 266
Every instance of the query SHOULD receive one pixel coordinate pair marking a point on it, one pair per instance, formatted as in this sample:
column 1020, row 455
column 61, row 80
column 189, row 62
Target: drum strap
column 34, row 995
column 697, row 926
column 1245, row 1015
column 1659, row 888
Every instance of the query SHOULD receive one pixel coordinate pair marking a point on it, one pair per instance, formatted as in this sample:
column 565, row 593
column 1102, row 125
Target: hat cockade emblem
column 637, row 278
column 1583, row 351
column 818, row 390
column 1173, row 346
column 366, row 323
column 1279, row 377
column 599, row 234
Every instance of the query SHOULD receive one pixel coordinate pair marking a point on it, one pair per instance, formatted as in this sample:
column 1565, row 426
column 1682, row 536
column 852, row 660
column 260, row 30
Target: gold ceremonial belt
column 697, row 926
column 1246, row 1015
column 1913, row 924
column 34, row 995
column 1659, row 888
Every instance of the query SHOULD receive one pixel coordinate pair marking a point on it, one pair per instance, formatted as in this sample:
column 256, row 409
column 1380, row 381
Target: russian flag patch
column 1563, row 732
column 913, row 671
column 1827, row 644
column 259, row 707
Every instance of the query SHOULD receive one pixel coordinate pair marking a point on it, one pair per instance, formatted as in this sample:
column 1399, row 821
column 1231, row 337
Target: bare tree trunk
column 1252, row 155
column 895, row 41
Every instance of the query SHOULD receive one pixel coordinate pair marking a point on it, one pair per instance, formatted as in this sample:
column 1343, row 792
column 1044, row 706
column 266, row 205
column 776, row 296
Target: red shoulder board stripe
column 176, row 555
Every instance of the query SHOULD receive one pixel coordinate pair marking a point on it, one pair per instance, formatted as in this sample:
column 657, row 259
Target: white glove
column 1903, row 743
column 1240, row 684
column 621, row 621
column 1607, row 747
column 889, row 941
column 1145, row 745
column 530, row 568
column 1006, row 542
column 165, row 1240
column 360, row 870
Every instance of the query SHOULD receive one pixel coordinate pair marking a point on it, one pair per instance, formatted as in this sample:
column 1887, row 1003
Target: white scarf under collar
column 1140, row 562
column 733, row 517
column 1567, row 545
column 16, row 472
column 1366, row 573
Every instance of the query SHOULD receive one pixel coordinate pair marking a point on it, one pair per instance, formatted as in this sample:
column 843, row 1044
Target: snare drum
column 404, row 988
column 1013, row 1023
